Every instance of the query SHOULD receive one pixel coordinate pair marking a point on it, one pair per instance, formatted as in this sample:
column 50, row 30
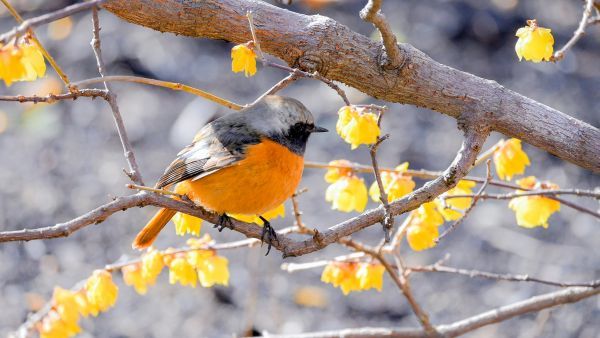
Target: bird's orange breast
column 265, row 178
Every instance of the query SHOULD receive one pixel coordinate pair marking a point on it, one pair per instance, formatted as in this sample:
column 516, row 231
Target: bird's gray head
column 284, row 120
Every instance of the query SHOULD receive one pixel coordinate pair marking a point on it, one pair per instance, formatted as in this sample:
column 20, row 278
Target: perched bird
column 247, row 162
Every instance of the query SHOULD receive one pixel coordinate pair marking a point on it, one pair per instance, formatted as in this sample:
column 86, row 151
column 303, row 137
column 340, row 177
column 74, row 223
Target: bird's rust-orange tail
column 149, row 233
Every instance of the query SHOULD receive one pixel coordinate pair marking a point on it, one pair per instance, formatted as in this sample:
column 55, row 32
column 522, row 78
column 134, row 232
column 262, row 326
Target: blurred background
column 59, row 161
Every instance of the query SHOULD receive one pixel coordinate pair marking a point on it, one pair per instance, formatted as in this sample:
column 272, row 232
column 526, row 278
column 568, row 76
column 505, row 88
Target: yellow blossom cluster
column 395, row 184
column 347, row 191
column 353, row 276
column 535, row 43
column 422, row 229
column 98, row 295
column 185, row 267
column 243, row 59
column 357, row 126
column 534, row 211
column 185, row 224
column 199, row 265
column 510, row 159
column 21, row 61
column 451, row 208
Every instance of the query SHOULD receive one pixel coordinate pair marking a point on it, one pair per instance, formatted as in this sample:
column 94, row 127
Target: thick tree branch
column 463, row 162
column 533, row 304
column 317, row 43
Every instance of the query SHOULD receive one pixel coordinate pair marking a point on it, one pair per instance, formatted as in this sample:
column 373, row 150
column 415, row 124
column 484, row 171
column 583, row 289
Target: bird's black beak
column 318, row 129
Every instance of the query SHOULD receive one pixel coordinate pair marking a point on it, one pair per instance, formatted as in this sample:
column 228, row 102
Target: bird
column 245, row 162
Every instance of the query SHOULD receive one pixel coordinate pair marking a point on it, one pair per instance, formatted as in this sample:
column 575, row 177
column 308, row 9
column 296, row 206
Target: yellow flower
column 243, row 59
column 422, row 230
column 351, row 276
column 213, row 270
column 33, row 61
column 510, row 159
column 534, row 211
column 85, row 308
column 201, row 242
column 11, row 68
column 53, row 326
column 394, row 183
column 185, row 223
column 535, row 43
column 152, row 264
column 133, row 276
column 65, row 305
column 23, row 62
column 461, row 203
column 180, row 270
column 370, row 276
column 347, row 194
column 279, row 211
column 334, row 174
column 101, row 292
column 356, row 126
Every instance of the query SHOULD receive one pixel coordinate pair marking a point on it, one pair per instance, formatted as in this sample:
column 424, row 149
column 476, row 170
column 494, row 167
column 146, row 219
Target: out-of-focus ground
column 59, row 161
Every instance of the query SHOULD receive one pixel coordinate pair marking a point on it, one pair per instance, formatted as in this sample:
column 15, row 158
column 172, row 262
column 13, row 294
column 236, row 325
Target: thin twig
column 576, row 192
column 278, row 86
column 159, row 83
column 579, row 32
column 497, row 276
column 474, row 201
column 487, row 154
column 296, row 208
column 154, row 190
column 52, row 98
column 111, row 98
column 388, row 220
column 372, row 13
column 403, row 283
column 27, row 25
column 261, row 56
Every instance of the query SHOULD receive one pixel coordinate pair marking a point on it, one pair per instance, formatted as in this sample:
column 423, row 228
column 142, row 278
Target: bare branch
column 579, row 32
column 159, row 83
column 533, row 304
column 52, row 98
column 393, row 55
column 497, row 276
column 388, row 220
column 134, row 171
column 554, row 192
column 26, row 25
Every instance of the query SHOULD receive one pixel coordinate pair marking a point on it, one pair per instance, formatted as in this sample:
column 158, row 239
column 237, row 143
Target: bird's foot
column 224, row 222
column 268, row 234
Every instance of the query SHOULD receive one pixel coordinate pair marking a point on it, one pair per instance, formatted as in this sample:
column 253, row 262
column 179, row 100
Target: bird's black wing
column 219, row 144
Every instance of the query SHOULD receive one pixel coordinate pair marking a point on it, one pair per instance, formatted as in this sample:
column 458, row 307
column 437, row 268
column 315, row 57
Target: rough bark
column 318, row 43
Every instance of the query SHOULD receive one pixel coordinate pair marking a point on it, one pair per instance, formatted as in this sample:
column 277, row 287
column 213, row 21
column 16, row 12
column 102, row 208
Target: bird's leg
column 224, row 222
column 269, row 233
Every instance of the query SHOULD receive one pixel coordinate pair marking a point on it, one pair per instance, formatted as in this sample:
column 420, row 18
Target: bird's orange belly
column 265, row 178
